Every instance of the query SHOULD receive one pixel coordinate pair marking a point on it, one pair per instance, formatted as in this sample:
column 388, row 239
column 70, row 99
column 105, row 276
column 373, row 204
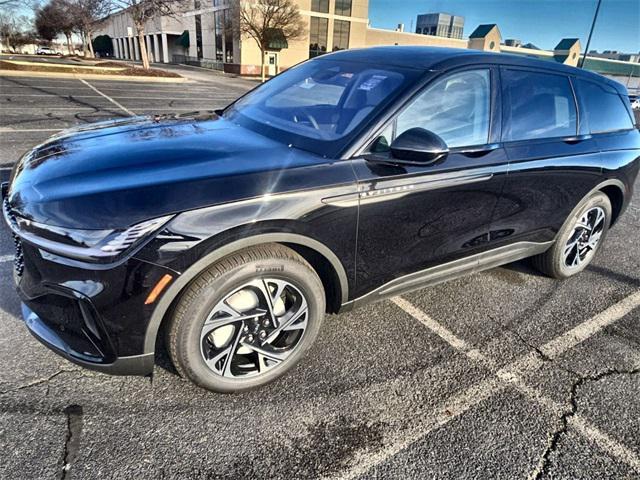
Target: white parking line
column 119, row 88
column 108, row 98
column 508, row 375
column 19, row 130
column 554, row 348
column 71, row 97
column 6, row 258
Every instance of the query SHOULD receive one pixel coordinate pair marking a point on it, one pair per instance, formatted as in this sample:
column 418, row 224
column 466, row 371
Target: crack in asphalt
column 72, row 440
column 38, row 381
column 554, row 439
column 542, row 468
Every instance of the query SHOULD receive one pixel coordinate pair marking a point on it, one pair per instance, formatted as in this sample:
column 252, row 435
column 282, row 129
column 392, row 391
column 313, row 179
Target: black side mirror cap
column 418, row 146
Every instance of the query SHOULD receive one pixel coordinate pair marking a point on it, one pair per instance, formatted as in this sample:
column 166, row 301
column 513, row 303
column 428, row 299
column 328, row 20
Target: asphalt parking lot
column 503, row 374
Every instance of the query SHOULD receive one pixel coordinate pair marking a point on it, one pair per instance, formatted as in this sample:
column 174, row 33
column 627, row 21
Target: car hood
column 117, row 173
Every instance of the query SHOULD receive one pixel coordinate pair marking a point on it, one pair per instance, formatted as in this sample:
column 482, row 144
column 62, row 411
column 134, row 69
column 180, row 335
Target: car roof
column 437, row 58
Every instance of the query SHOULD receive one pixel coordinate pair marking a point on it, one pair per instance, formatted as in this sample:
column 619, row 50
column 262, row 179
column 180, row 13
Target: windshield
column 321, row 104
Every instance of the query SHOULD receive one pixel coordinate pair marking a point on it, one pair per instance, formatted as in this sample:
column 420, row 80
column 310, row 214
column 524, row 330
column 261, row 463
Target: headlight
column 97, row 245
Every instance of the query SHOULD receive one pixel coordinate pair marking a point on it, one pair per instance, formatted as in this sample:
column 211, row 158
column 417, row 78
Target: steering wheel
column 309, row 117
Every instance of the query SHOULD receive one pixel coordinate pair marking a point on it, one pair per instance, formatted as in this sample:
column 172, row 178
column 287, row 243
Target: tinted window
column 320, row 6
column 341, row 30
column 604, row 108
column 317, row 104
column 318, row 36
column 343, row 7
column 537, row 105
column 456, row 108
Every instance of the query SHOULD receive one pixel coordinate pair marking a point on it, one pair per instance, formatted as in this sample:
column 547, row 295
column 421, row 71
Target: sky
column 541, row 22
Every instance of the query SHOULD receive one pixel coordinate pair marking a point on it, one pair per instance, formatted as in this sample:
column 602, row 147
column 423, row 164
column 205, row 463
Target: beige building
column 213, row 39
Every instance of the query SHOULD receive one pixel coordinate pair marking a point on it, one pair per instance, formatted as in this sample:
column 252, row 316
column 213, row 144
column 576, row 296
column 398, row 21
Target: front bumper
column 94, row 318
column 131, row 365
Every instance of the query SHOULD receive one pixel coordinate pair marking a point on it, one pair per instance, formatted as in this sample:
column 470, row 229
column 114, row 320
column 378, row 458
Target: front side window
column 537, row 105
column 318, row 104
column 343, row 7
column 341, row 30
column 604, row 108
column 457, row 108
column 318, row 36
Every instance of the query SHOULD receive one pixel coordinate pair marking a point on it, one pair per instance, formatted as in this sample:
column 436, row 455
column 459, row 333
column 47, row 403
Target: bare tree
column 47, row 21
column 7, row 4
column 87, row 15
column 269, row 20
column 142, row 11
column 67, row 20
column 15, row 30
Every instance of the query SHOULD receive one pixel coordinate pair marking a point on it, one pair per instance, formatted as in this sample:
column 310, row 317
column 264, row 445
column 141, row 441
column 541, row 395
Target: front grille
column 8, row 213
column 18, row 262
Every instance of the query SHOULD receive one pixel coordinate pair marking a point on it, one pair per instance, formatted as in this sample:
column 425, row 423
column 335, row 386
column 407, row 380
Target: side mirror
column 418, row 146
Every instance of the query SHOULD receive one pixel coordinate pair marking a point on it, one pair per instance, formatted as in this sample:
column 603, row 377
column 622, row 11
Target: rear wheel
column 578, row 240
column 247, row 320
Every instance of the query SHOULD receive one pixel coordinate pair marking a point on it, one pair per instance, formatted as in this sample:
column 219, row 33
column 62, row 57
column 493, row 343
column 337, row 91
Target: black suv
column 353, row 177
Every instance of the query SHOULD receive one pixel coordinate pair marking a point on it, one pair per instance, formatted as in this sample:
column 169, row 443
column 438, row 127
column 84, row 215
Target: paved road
column 35, row 108
column 503, row 374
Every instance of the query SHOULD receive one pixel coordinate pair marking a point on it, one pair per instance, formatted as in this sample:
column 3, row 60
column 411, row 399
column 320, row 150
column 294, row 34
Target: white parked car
column 46, row 51
column 635, row 104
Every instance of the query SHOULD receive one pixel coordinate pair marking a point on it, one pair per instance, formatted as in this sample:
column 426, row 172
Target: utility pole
column 593, row 24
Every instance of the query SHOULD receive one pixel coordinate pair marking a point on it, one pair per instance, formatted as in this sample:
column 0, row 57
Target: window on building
column 341, row 31
column 456, row 108
column 538, row 105
column 343, row 7
column 219, row 34
column 228, row 37
column 199, row 35
column 603, row 108
column 318, row 36
column 321, row 6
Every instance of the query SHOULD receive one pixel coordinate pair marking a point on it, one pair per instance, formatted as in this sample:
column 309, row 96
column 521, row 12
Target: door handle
column 576, row 138
column 479, row 150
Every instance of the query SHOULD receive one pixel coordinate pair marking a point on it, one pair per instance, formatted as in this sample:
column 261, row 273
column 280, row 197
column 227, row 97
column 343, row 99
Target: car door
column 553, row 160
column 413, row 217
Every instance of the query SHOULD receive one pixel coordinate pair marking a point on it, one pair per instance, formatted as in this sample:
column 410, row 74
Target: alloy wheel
column 585, row 237
column 254, row 328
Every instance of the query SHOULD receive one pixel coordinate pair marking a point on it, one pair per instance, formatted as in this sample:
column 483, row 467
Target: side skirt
column 450, row 271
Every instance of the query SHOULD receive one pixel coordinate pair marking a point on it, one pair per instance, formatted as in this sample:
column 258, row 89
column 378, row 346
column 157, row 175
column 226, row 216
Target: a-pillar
column 165, row 48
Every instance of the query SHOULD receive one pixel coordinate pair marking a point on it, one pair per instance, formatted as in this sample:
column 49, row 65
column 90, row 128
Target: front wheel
column 247, row 320
column 579, row 239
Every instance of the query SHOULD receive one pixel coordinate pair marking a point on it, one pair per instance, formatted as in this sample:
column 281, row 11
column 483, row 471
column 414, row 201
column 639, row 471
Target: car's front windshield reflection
column 320, row 101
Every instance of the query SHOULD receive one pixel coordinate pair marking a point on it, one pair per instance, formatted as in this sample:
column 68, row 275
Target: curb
column 91, row 76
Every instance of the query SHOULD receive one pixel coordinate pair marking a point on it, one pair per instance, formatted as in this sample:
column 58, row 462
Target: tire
column 556, row 262
column 230, row 292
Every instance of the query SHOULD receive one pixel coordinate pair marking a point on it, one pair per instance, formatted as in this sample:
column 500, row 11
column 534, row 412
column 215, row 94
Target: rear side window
column 604, row 108
column 537, row 105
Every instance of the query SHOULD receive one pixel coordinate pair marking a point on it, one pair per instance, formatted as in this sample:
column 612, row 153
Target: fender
column 613, row 182
column 202, row 264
